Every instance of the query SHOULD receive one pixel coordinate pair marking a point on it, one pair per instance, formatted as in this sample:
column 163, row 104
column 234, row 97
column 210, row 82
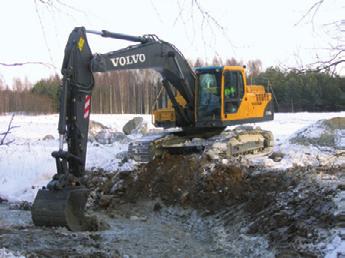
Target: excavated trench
column 188, row 206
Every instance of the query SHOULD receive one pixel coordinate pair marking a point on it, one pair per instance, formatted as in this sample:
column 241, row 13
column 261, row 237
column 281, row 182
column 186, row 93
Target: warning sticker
column 81, row 43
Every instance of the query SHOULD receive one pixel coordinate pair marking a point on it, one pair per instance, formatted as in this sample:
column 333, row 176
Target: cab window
column 233, row 90
column 209, row 94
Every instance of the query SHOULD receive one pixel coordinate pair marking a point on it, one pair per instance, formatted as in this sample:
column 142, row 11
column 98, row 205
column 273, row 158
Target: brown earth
column 293, row 209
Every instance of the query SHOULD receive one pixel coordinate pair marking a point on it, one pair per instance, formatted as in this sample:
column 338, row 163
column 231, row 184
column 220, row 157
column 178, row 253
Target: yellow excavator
column 207, row 100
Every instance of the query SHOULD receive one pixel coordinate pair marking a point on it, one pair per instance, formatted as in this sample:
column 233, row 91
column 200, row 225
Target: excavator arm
column 62, row 202
column 161, row 56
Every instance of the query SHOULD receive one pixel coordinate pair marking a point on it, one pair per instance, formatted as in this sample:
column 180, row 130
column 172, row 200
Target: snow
column 286, row 126
column 340, row 138
column 335, row 248
column 5, row 253
column 26, row 164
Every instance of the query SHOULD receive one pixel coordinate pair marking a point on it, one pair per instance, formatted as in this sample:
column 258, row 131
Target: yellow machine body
column 251, row 103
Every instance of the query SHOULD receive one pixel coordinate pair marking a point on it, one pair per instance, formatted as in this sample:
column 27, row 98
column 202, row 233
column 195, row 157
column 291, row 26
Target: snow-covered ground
column 26, row 164
column 287, row 125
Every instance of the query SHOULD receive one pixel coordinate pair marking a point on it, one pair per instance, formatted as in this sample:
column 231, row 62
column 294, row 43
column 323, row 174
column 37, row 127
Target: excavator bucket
column 60, row 208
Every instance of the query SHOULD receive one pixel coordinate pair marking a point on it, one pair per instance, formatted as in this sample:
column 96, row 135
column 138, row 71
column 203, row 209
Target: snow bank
column 26, row 164
column 312, row 142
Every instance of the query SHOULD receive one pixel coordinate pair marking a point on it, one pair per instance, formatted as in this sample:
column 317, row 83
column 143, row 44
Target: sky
column 269, row 30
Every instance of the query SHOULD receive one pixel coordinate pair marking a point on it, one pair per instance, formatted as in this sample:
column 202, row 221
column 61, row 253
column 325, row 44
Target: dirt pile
column 177, row 180
column 324, row 133
column 292, row 208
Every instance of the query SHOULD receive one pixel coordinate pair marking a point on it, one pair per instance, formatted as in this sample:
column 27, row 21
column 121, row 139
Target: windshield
column 209, row 95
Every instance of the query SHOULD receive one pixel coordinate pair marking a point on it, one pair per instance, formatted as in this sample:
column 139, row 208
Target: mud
column 134, row 231
column 292, row 210
column 187, row 206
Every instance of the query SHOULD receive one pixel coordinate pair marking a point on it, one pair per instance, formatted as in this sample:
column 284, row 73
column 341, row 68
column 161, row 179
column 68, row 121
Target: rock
column 105, row 200
column 212, row 154
column 281, row 218
column 217, row 149
column 24, row 205
column 95, row 128
column 244, row 128
column 220, row 147
column 277, row 156
column 225, row 162
column 48, row 137
column 341, row 187
column 133, row 217
column 184, row 198
column 118, row 187
column 137, row 218
column 133, row 125
column 124, row 174
column 335, row 123
column 92, row 223
column 123, row 155
column 157, row 207
column 269, row 138
column 3, row 200
column 108, row 136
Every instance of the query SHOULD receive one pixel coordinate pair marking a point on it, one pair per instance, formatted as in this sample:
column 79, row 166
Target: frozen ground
column 26, row 164
column 297, row 203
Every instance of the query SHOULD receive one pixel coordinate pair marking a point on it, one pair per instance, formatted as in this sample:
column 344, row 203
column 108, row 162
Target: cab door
column 233, row 91
column 209, row 97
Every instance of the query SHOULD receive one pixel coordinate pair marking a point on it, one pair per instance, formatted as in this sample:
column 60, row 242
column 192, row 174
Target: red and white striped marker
column 87, row 106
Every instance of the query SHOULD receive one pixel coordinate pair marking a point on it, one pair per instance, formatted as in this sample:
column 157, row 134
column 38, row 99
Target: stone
column 118, row 187
column 92, row 223
column 277, row 156
column 48, row 137
column 24, row 205
column 137, row 218
column 335, row 123
column 157, row 207
column 95, row 127
column 133, row 125
column 212, row 154
column 105, row 200
column 123, row 155
column 3, row 200
column 108, row 136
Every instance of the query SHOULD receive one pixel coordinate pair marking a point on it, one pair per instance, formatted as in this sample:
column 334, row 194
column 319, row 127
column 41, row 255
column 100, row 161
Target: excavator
column 202, row 100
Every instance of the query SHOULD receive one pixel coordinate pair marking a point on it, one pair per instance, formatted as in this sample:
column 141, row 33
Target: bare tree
column 336, row 33
column 233, row 61
column 254, row 67
column 8, row 131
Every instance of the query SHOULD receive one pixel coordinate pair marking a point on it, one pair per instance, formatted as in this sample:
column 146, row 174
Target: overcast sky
column 265, row 30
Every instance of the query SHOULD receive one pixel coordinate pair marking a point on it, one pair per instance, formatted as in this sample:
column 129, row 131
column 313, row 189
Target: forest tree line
column 139, row 92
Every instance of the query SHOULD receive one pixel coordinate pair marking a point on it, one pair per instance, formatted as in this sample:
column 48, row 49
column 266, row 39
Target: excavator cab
column 223, row 98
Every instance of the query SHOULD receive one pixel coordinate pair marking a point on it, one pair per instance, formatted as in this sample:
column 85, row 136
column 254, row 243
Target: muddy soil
column 290, row 211
column 133, row 231
column 187, row 206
